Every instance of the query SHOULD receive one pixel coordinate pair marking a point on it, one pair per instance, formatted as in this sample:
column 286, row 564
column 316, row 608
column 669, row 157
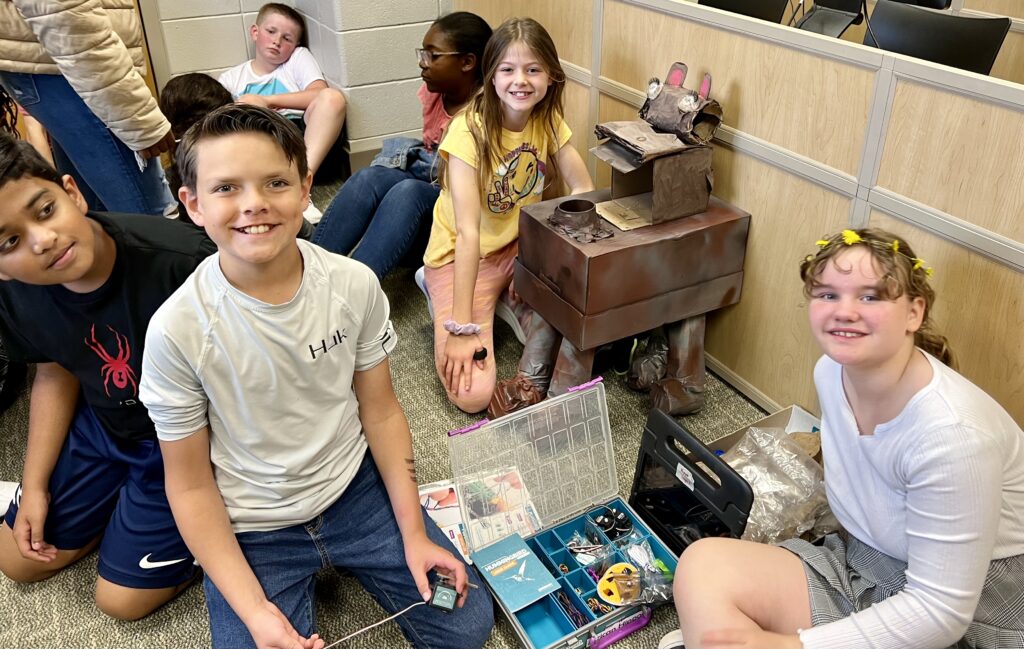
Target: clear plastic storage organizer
column 546, row 473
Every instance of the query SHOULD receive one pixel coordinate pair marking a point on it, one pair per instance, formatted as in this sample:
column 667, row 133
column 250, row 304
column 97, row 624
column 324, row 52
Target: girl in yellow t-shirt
column 494, row 159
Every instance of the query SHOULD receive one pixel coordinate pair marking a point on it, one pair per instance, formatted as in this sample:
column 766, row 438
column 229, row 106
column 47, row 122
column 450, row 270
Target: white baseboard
column 741, row 385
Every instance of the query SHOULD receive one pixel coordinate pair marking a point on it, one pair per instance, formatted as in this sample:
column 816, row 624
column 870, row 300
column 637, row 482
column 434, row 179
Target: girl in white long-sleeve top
column 924, row 471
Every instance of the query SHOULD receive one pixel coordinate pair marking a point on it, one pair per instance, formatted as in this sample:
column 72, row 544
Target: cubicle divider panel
column 980, row 308
column 764, row 340
column 1009, row 64
column 810, row 105
column 568, row 21
column 957, row 154
column 577, row 117
column 1011, row 8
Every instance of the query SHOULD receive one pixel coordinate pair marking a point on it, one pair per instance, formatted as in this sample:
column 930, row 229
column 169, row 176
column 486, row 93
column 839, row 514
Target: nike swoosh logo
column 146, row 564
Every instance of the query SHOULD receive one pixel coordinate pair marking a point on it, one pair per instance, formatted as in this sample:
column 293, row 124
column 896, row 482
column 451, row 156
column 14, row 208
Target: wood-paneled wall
column 768, row 91
column 568, row 21
column 820, row 134
column 953, row 153
column 1012, row 8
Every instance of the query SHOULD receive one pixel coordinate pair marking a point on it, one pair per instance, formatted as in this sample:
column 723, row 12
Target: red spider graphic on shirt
column 114, row 369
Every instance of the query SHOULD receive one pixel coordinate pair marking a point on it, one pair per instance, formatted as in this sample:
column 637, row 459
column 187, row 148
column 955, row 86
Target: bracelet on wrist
column 456, row 329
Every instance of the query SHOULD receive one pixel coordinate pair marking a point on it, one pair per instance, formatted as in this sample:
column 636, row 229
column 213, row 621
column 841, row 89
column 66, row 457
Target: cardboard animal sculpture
column 671, row 108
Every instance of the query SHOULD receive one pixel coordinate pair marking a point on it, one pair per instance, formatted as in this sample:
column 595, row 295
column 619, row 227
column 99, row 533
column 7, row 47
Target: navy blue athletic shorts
column 102, row 485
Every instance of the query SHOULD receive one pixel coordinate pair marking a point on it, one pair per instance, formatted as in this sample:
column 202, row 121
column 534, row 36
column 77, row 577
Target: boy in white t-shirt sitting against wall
column 267, row 379
column 285, row 77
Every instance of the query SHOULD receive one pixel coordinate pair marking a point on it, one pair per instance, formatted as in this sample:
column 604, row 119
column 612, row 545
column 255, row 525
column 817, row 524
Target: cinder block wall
column 364, row 47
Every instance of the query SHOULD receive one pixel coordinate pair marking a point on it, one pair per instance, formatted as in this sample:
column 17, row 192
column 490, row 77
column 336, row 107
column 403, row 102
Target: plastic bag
column 789, row 488
column 633, row 575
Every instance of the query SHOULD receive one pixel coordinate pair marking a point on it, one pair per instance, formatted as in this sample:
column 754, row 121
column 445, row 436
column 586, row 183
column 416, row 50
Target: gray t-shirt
column 272, row 382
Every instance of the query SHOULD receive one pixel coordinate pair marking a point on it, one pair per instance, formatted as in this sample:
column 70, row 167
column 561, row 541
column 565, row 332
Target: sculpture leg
column 573, row 367
column 681, row 392
column 530, row 384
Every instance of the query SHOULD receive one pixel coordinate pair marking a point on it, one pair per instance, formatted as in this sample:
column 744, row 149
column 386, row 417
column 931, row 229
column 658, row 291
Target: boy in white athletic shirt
column 267, row 378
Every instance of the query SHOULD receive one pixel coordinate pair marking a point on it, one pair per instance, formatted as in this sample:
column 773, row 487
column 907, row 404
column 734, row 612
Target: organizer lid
column 534, row 468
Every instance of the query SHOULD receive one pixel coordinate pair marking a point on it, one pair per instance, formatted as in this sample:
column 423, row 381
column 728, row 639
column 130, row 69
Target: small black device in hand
column 443, row 596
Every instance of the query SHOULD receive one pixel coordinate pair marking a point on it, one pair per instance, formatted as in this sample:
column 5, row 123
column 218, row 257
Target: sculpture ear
column 705, row 87
column 654, row 87
column 676, row 74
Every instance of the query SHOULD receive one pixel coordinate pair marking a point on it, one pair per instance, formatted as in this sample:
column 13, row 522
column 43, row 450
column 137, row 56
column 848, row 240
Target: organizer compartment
column 579, row 579
column 548, row 542
column 575, row 602
column 544, row 622
column 563, row 558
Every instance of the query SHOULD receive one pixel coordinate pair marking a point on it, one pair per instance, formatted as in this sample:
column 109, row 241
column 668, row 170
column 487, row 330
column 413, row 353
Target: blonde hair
column 484, row 112
column 903, row 273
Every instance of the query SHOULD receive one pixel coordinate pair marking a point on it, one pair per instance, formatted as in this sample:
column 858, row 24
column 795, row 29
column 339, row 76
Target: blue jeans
column 379, row 212
column 108, row 166
column 358, row 533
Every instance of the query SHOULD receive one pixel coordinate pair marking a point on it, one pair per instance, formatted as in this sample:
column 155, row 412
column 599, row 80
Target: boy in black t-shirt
column 78, row 292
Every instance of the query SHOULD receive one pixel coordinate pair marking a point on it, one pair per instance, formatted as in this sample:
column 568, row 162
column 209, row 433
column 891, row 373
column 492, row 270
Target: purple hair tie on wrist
column 456, row 329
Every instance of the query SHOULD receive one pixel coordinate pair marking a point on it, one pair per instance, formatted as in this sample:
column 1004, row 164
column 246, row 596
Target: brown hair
column 484, row 113
column 903, row 273
column 290, row 14
column 239, row 118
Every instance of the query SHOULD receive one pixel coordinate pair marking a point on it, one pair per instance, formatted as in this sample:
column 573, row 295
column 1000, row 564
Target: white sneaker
column 421, row 281
column 505, row 312
column 672, row 640
column 312, row 214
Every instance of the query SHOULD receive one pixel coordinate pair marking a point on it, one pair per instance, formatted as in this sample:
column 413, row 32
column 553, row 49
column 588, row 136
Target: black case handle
column 731, row 501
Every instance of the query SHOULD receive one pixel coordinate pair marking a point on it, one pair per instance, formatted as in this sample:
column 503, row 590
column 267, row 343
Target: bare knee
column 477, row 397
column 331, row 100
column 21, row 571
column 697, row 567
column 18, row 569
column 129, row 604
column 474, row 401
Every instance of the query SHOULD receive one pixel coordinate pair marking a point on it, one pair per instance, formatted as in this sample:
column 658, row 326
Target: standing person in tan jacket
column 77, row 66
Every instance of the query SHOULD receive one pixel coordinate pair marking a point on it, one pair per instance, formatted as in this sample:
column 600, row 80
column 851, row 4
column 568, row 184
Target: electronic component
column 443, row 596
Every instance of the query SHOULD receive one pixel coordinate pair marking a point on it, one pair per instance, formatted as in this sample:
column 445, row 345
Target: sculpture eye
column 688, row 104
column 654, row 87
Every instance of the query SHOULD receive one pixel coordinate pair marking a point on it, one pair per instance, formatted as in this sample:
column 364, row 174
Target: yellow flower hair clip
column 851, row 237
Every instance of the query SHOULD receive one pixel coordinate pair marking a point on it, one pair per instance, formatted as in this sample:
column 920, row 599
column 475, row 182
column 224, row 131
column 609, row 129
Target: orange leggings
column 492, row 281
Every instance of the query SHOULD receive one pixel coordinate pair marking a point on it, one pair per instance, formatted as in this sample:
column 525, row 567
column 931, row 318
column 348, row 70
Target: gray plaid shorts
column 845, row 575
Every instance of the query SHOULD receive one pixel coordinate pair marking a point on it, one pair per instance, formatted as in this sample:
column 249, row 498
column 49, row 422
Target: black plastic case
column 683, row 490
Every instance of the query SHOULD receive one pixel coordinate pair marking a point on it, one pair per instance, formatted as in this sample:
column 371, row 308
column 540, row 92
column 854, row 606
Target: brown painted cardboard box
column 667, row 188
column 594, row 293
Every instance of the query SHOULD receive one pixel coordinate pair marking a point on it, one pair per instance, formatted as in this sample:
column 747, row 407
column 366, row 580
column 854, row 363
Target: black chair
column 958, row 41
column 832, row 17
column 928, row 4
column 770, row 10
